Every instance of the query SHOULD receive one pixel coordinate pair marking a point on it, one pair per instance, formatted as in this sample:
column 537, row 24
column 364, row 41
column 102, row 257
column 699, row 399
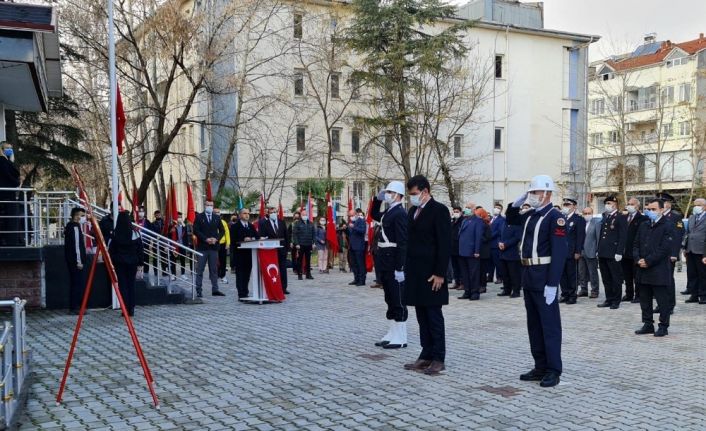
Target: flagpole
column 113, row 121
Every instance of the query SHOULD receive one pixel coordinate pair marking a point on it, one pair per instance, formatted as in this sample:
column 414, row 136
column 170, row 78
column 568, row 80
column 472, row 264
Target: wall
column 22, row 279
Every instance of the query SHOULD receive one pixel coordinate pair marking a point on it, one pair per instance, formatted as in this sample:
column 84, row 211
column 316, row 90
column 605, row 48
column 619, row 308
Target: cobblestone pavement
column 310, row 364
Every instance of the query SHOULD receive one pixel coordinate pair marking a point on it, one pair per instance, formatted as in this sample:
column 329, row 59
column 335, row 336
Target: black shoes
column 217, row 293
column 532, row 375
column 309, row 277
column 570, row 301
column 503, row 293
column 647, row 328
column 635, row 301
column 562, row 300
column 626, row 298
column 474, row 298
column 550, row 379
column 286, row 292
column 615, row 306
column 352, row 283
column 661, row 332
column 464, row 296
column 685, row 292
column 515, row 295
column 604, row 304
column 382, row 343
column 300, row 277
column 583, row 293
column 691, row 300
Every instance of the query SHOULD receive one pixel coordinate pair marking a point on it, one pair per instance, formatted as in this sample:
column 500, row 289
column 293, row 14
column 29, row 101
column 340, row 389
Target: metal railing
column 15, row 360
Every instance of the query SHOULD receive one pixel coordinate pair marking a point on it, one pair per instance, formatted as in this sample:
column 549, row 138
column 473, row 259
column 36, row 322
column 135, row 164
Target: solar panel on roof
column 646, row 49
column 21, row 13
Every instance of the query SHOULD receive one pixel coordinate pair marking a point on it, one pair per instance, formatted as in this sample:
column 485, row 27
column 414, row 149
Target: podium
column 256, row 285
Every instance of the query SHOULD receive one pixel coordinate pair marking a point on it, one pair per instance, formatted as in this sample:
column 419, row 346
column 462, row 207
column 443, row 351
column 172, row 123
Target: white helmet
column 541, row 183
column 396, row 186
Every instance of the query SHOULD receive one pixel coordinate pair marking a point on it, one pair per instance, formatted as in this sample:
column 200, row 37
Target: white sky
column 622, row 24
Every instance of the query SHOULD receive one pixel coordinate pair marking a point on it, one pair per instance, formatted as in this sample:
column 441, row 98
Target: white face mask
column 389, row 198
column 565, row 210
column 82, row 220
column 496, row 211
column 273, row 216
column 180, row 220
column 587, row 218
column 322, row 222
column 698, row 210
column 535, row 201
column 141, row 214
column 631, row 209
column 415, row 200
column 455, row 215
column 609, row 208
column 208, row 209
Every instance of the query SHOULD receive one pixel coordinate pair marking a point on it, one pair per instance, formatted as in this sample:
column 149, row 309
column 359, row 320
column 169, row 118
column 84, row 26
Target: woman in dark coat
column 126, row 253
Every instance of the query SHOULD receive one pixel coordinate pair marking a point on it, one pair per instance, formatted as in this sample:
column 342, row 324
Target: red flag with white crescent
column 269, row 269
column 331, row 236
column 369, row 250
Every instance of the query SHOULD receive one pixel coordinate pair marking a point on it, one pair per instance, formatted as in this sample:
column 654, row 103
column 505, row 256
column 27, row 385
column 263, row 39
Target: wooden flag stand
column 103, row 251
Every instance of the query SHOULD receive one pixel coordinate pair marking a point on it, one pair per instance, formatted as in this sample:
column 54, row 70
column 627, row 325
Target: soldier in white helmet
column 390, row 259
column 543, row 249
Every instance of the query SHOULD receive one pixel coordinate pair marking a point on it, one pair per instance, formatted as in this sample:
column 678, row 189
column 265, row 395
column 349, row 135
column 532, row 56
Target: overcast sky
column 622, row 24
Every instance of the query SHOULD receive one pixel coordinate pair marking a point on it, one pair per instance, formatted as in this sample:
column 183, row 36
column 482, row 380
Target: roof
column 18, row 16
column 658, row 56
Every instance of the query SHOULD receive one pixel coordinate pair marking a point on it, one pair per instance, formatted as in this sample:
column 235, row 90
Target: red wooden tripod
column 102, row 251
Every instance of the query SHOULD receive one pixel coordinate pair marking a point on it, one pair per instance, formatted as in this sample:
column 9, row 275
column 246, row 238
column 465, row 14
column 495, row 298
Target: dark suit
column 654, row 243
column 470, row 240
column 282, row 233
column 677, row 225
column 390, row 258
column 205, row 227
column 497, row 226
column 428, row 249
column 510, row 259
column 628, row 263
column 243, row 256
column 455, row 260
column 74, row 254
column 356, row 233
column 614, row 232
column 575, row 235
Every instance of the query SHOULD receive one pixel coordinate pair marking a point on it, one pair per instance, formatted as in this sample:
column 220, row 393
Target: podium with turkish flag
column 265, row 282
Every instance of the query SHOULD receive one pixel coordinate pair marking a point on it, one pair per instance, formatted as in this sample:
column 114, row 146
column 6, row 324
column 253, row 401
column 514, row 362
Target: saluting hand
column 642, row 264
column 501, row 246
column 436, row 282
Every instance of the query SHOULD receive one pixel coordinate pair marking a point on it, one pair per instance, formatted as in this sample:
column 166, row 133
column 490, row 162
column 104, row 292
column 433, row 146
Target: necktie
column 274, row 226
column 630, row 218
column 416, row 213
column 209, row 218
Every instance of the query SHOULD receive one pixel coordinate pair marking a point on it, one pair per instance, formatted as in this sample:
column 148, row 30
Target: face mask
column 631, row 209
column 415, row 200
column 496, row 211
column 322, row 222
column 209, row 209
column 467, row 212
column 304, row 217
column 180, row 220
column 609, row 208
column 534, row 200
column 273, row 216
column 9, row 153
column 141, row 214
column 565, row 210
column 82, row 220
column 652, row 215
column 389, row 198
column 587, row 218
column 455, row 215
column 698, row 210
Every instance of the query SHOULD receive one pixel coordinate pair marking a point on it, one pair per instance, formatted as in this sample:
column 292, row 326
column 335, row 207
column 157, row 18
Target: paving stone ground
column 310, row 363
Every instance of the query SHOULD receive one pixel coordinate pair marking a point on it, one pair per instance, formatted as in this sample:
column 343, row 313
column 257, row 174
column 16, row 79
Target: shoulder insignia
column 680, row 225
column 560, row 221
column 571, row 224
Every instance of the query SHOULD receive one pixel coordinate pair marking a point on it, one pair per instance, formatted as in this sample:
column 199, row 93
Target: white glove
column 618, row 257
column 399, row 276
column 520, row 200
column 549, row 294
column 381, row 195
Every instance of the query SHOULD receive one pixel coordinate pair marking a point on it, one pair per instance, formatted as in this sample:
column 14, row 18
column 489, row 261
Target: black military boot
column 647, row 328
column 661, row 331
column 533, row 375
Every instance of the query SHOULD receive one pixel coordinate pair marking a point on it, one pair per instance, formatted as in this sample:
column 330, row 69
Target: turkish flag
column 280, row 212
column 190, row 211
column 209, row 193
column 269, row 269
column 120, row 120
column 331, row 236
column 369, row 249
column 135, row 204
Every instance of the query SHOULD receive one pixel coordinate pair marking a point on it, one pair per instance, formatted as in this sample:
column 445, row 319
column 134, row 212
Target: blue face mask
column 652, row 215
column 9, row 152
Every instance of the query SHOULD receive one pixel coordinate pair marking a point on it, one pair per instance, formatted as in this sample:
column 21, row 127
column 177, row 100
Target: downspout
column 585, row 125
column 507, row 111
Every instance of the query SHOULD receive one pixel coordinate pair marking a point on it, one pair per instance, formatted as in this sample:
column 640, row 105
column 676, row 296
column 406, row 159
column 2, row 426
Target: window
column 678, row 61
column 358, row 189
column 458, row 191
column 301, row 138
column 335, row 93
column 667, row 95
column 298, row 27
column 616, row 103
column 667, row 130
column 685, row 92
column 355, row 87
column 388, row 141
column 614, row 137
column 458, row 140
column 202, row 137
column 596, row 139
column 355, row 141
column 598, row 106
column 607, row 76
column 298, row 83
column 685, row 128
column 498, row 66
column 498, row 138
column 336, row 140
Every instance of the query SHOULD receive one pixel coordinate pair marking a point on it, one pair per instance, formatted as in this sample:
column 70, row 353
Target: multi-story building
column 645, row 129
column 294, row 113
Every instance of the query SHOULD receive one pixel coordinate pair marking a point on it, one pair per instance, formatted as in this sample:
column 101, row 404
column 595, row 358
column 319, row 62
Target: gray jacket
column 590, row 244
column 695, row 235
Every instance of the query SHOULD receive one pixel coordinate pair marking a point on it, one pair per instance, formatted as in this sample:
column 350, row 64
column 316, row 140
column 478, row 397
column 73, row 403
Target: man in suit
column 652, row 250
column 425, row 272
column 509, row 246
column 357, row 229
column 273, row 228
column 470, row 239
column 243, row 230
column 456, row 221
column 391, row 239
column 693, row 245
column 675, row 218
column 303, row 235
column 634, row 218
column 588, row 264
column 497, row 225
column 209, row 231
column 611, row 246
column 575, row 235
column 544, row 250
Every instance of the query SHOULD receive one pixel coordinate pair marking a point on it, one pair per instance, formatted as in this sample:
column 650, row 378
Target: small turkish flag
column 120, row 122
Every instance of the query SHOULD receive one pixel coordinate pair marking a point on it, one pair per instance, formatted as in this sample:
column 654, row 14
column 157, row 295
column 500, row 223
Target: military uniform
column 575, row 235
column 614, row 230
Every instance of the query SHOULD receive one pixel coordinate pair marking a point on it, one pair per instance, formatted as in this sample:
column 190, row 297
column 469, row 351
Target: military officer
column 543, row 251
column 611, row 245
column 389, row 261
column 575, row 235
column 675, row 220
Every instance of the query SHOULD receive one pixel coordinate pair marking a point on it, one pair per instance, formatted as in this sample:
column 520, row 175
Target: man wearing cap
column 543, row 250
column 389, row 261
column 575, row 234
column 675, row 218
column 611, row 245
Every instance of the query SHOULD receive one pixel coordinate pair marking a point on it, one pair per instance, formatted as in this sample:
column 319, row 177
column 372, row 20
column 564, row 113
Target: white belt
column 544, row 260
column 387, row 244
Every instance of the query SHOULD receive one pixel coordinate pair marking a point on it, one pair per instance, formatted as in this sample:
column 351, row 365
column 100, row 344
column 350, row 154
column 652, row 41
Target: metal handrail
column 15, row 360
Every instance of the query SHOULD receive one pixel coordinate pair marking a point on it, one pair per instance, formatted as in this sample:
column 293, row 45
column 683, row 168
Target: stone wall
column 22, row 279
